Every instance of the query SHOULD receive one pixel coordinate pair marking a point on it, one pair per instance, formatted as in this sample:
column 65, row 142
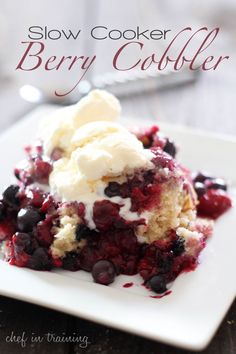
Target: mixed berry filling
column 29, row 216
column 212, row 196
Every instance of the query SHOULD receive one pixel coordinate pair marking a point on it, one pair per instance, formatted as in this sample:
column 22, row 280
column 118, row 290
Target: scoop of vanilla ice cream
column 57, row 130
column 108, row 149
column 101, row 149
column 96, row 130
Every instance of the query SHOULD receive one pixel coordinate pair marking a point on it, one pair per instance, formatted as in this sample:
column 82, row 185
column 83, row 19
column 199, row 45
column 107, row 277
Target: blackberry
column 82, row 232
column 178, row 246
column 10, row 195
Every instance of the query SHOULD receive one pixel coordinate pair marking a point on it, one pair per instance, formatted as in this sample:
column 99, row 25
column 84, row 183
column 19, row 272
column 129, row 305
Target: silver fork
column 121, row 84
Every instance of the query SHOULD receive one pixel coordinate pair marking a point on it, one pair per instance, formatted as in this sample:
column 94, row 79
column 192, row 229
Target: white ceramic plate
column 190, row 315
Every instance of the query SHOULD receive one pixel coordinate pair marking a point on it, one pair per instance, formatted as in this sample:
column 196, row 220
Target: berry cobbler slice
column 92, row 195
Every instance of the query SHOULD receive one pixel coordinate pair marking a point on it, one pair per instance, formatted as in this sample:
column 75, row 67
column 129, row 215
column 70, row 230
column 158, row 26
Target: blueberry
column 178, row 246
column 22, row 242
column 82, row 231
column 158, row 284
column 103, row 272
column 10, row 195
column 2, row 210
column 71, row 261
column 200, row 189
column 112, row 190
column 217, row 183
column 170, row 148
column 40, row 260
column 27, row 218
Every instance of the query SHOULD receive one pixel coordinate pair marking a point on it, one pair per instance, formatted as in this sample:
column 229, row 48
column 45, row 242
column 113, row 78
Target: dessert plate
column 189, row 316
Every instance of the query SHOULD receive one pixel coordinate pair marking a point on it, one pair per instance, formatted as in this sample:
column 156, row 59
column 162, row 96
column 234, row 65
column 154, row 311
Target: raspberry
column 35, row 197
column 48, row 205
column 43, row 233
column 105, row 213
column 162, row 160
column 42, row 170
column 214, row 203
